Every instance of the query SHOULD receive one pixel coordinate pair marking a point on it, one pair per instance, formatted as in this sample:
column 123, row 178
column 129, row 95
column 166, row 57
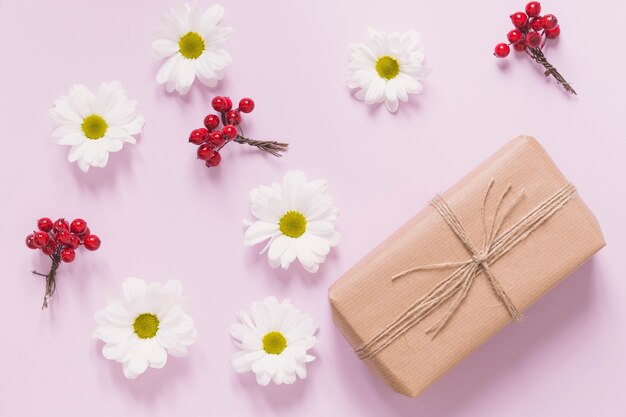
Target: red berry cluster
column 530, row 29
column 59, row 240
column 211, row 139
column 530, row 34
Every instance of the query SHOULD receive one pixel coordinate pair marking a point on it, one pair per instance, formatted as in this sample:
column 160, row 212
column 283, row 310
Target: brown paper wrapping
column 365, row 300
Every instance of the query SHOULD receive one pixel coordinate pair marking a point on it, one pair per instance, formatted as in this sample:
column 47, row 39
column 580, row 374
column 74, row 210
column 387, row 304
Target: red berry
column 533, row 39
column 520, row 46
column 554, row 32
column 198, row 136
column 63, row 237
column 61, row 224
column 44, row 224
column 68, row 255
column 216, row 139
column 519, row 19
column 536, row 23
column 229, row 103
column 41, row 239
column 233, row 117
column 229, row 132
column 84, row 235
column 92, row 242
column 78, row 226
column 75, row 242
column 501, row 50
column 533, row 9
column 30, row 241
column 246, row 105
column 211, row 122
column 219, row 103
column 214, row 160
column 49, row 248
column 514, row 36
column 549, row 21
column 205, row 151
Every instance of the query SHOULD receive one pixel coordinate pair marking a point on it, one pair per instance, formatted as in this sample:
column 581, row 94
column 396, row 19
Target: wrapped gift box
column 464, row 292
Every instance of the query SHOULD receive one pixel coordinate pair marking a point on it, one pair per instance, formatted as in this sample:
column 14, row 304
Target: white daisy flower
column 273, row 342
column 388, row 68
column 297, row 219
column 145, row 325
column 192, row 41
column 95, row 124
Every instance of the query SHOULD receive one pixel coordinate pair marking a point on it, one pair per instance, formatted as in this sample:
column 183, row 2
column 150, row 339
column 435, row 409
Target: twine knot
column 481, row 258
column 454, row 288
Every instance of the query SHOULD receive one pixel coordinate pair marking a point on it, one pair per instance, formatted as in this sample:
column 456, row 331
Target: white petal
column 72, row 139
column 242, row 361
column 123, row 112
column 210, row 18
column 375, row 91
column 169, row 68
column 114, row 314
column 84, row 166
column 263, row 378
column 168, row 340
column 260, row 231
column 64, row 112
column 77, row 151
column 164, row 48
column 82, row 100
column 155, row 354
column 411, row 84
column 289, row 255
column 186, row 76
column 218, row 59
column 134, row 289
column 203, row 68
column 120, row 351
column 137, row 364
column 262, row 317
column 277, row 248
column 113, row 334
column 173, row 287
column 107, row 97
column 135, row 126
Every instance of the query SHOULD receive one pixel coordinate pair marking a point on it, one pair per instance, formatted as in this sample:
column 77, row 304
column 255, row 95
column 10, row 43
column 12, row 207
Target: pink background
column 161, row 214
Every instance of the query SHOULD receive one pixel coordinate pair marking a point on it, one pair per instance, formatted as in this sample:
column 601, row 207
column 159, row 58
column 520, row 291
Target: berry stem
column 50, row 277
column 540, row 58
column 273, row 147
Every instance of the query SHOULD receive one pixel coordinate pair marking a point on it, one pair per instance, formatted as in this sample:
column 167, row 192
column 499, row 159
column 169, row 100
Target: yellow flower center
column 94, row 126
column 293, row 224
column 146, row 325
column 387, row 67
column 274, row 343
column 191, row 45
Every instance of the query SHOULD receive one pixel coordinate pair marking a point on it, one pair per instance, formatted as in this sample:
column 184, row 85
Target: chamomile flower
column 192, row 42
column 296, row 218
column 95, row 124
column 145, row 325
column 387, row 68
column 274, row 342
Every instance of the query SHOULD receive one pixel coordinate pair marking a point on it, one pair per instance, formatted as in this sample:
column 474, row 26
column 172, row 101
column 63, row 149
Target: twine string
column 456, row 286
column 51, row 283
column 540, row 58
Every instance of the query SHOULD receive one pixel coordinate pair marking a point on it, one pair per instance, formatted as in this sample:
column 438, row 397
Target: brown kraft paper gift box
column 366, row 301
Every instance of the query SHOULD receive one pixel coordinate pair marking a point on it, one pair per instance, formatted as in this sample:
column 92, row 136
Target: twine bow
column 496, row 243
